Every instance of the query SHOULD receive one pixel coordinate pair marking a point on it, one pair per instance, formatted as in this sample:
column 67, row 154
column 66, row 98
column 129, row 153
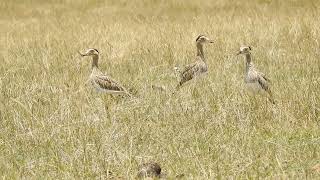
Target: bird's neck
column 95, row 59
column 249, row 64
column 200, row 51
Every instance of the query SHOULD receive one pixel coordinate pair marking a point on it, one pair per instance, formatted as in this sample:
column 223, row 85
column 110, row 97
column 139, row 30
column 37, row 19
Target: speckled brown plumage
column 199, row 66
column 150, row 169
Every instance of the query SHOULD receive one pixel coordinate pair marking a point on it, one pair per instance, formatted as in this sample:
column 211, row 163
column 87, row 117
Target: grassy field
column 54, row 126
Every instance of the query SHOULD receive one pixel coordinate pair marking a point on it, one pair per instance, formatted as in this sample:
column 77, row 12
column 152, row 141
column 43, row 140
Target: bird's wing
column 189, row 72
column 192, row 68
column 107, row 83
column 264, row 76
column 192, row 65
column 263, row 83
column 187, row 67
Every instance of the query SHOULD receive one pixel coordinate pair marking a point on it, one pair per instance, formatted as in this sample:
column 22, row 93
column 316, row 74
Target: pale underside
column 256, row 82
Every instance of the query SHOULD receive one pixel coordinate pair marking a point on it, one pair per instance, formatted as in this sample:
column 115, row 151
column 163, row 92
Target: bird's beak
column 239, row 52
column 211, row 41
column 81, row 54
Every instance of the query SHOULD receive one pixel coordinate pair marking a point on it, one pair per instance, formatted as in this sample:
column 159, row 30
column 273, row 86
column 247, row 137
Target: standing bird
column 197, row 68
column 101, row 82
column 254, row 79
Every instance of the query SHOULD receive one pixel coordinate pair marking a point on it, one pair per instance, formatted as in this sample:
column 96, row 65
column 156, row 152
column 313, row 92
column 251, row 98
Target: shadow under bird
column 256, row 81
column 100, row 81
column 197, row 68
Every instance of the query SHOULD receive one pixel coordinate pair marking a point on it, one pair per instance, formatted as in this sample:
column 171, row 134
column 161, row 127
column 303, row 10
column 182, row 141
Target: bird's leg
column 105, row 100
column 177, row 88
column 112, row 97
column 107, row 108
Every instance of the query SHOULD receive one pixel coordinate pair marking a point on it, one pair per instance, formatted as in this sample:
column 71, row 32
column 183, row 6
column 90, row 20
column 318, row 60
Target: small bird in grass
column 101, row 82
column 255, row 80
column 150, row 169
column 198, row 67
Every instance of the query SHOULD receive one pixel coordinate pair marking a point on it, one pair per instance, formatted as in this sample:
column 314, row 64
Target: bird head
column 203, row 39
column 244, row 50
column 90, row 52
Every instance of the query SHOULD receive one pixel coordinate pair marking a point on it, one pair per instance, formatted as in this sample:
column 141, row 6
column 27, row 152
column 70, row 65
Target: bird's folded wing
column 190, row 69
column 107, row 83
column 263, row 83
column 264, row 76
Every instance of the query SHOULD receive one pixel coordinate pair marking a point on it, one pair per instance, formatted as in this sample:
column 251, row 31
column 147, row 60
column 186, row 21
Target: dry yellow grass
column 55, row 126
